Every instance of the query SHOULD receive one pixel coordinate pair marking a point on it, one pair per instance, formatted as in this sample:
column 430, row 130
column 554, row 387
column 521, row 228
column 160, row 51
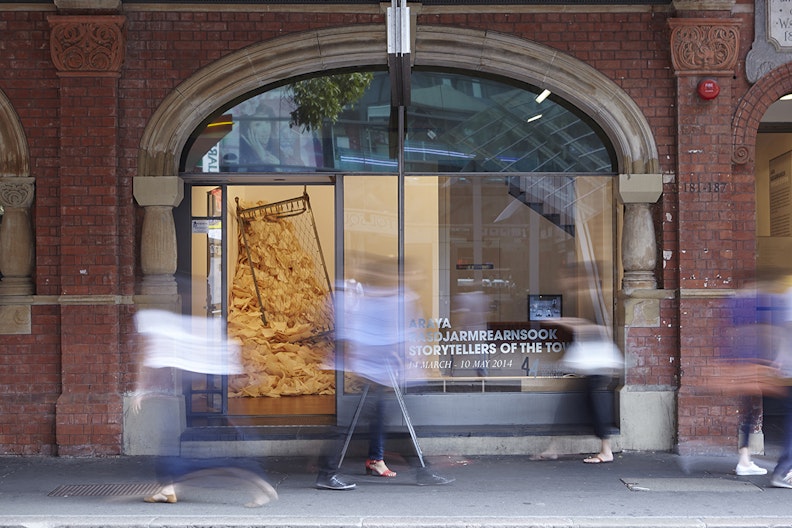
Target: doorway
column 262, row 258
column 773, row 159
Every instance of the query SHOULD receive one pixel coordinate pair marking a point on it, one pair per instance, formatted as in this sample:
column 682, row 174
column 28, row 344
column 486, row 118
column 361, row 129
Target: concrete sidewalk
column 637, row 490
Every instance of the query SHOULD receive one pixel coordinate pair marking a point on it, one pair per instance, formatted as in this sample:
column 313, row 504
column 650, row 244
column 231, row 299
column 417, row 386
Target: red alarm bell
column 708, row 89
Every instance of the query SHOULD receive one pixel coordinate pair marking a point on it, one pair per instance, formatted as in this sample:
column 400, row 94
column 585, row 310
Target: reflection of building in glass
column 458, row 123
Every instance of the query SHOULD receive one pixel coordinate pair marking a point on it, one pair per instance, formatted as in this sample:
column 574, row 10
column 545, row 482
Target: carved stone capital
column 87, row 45
column 16, row 192
column 703, row 46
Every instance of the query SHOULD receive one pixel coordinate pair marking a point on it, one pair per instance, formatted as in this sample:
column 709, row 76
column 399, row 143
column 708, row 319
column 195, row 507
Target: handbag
column 746, row 378
column 592, row 357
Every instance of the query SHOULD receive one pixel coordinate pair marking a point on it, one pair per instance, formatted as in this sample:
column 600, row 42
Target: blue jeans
column 172, row 469
column 377, row 426
column 375, row 408
column 751, row 416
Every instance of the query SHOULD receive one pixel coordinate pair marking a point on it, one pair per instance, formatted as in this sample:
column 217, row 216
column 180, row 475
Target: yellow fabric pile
column 281, row 358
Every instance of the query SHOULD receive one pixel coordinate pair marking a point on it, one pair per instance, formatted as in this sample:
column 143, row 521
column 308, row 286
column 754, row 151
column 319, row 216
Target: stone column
column 156, row 429
column 639, row 248
column 639, row 245
column 16, row 236
column 158, row 195
column 644, row 410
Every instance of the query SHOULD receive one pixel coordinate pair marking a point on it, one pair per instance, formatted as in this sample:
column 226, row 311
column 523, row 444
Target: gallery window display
column 499, row 221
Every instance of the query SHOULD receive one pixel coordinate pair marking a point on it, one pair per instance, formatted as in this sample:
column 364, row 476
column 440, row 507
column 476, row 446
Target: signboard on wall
column 500, row 349
column 772, row 44
column 779, row 23
column 781, row 195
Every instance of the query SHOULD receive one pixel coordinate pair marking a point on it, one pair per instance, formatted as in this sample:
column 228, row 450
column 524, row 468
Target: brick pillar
column 716, row 220
column 87, row 52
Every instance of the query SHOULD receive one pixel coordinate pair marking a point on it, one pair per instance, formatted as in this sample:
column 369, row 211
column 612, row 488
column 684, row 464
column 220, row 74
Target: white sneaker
column 785, row 482
column 750, row 469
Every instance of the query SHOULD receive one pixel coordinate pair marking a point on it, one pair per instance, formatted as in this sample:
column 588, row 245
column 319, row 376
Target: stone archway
column 752, row 107
column 158, row 189
column 771, row 252
column 16, row 197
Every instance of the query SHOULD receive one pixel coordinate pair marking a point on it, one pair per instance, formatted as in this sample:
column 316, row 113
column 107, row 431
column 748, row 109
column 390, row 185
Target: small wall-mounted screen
column 544, row 307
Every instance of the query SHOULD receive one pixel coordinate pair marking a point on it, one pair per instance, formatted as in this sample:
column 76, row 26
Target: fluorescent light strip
column 542, row 96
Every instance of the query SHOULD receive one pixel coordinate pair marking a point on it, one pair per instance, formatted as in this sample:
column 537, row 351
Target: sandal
column 597, row 459
column 378, row 468
column 161, row 497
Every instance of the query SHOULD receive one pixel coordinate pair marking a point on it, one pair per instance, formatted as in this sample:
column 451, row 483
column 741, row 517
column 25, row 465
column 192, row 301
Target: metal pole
column 406, row 416
column 353, row 425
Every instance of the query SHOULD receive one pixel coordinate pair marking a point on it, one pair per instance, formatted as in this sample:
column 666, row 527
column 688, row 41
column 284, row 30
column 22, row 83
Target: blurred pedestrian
column 782, row 473
column 594, row 356
column 470, row 310
column 190, row 344
column 751, row 347
column 370, row 320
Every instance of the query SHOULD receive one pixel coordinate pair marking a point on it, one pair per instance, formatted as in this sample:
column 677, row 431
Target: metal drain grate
column 104, row 490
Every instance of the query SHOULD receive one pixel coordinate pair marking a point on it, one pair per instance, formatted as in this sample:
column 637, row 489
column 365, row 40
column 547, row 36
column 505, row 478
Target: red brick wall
column 716, row 214
column 30, row 364
column 85, row 217
column 29, row 386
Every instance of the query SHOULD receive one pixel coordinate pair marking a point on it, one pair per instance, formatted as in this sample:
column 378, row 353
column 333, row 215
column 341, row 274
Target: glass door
column 206, row 395
column 262, row 259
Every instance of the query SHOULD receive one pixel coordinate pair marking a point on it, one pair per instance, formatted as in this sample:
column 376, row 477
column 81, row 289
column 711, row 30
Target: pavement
column 639, row 490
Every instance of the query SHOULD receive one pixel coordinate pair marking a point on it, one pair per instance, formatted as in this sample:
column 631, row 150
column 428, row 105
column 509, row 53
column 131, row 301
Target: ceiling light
column 534, row 118
column 786, row 97
column 542, row 96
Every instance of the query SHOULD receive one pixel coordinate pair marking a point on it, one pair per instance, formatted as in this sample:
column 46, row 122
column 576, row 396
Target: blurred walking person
column 782, row 473
column 192, row 345
column 594, row 356
column 370, row 321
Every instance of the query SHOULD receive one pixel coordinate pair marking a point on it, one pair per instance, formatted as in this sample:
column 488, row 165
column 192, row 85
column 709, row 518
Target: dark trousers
column 784, row 464
column 600, row 405
column 374, row 409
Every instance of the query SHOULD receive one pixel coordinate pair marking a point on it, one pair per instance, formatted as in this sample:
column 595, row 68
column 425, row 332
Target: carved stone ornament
column 704, row 46
column 16, row 192
column 741, row 155
column 87, row 45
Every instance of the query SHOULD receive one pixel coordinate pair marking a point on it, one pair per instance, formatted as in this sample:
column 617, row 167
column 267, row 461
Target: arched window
column 455, row 123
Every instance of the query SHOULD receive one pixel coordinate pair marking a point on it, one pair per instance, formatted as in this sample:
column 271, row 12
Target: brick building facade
column 91, row 91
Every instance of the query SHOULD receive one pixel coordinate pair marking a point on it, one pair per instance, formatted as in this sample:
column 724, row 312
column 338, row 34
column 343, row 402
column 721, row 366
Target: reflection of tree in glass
column 323, row 98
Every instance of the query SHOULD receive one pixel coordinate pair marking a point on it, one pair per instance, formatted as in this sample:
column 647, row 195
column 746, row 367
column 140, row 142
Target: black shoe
column 332, row 481
column 427, row 478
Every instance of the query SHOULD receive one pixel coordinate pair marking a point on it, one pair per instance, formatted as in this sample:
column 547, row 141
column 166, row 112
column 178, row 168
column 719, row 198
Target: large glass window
column 501, row 217
column 455, row 123
column 497, row 260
